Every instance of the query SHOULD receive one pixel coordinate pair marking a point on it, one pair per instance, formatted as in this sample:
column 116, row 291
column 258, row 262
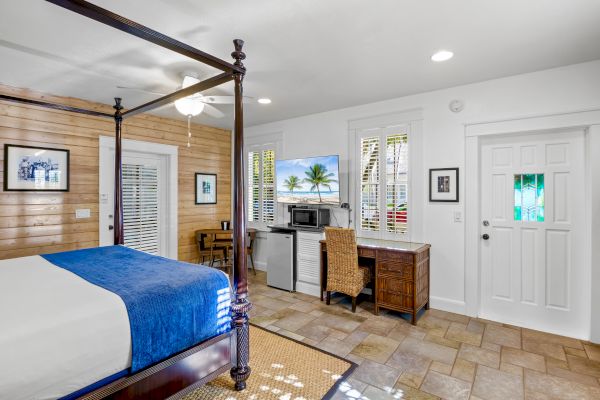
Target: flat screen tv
column 313, row 180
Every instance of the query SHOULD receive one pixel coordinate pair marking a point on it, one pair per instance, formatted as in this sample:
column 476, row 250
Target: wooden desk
column 401, row 279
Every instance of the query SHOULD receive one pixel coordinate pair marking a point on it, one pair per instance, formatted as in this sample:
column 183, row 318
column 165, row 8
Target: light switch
column 82, row 213
column 457, row 216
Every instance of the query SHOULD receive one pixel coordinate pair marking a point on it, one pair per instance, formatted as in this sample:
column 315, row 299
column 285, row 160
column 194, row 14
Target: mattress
column 58, row 332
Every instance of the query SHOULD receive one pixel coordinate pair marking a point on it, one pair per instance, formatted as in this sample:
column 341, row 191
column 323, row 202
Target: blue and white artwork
column 312, row 180
column 36, row 168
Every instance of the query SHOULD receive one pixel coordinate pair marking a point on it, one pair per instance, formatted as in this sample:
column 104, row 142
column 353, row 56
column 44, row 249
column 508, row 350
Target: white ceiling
column 308, row 56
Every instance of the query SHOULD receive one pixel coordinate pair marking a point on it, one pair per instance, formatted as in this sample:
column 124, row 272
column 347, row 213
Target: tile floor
column 446, row 355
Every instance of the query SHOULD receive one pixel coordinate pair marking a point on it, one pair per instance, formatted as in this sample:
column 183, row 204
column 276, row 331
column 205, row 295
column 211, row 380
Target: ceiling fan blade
column 140, row 90
column 223, row 99
column 213, row 111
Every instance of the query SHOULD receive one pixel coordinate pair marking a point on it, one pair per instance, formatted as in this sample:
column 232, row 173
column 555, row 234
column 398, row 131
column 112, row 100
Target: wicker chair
column 344, row 275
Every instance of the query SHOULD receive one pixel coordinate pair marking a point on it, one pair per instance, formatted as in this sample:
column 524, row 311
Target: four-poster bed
column 185, row 371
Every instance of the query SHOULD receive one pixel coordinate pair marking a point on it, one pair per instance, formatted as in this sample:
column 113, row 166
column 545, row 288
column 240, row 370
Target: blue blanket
column 171, row 305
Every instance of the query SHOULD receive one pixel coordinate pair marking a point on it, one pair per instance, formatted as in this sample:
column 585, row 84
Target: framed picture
column 443, row 185
column 39, row 169
column 206, row 188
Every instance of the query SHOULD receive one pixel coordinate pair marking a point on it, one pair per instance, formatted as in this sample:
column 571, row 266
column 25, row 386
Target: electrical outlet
column 82, row 213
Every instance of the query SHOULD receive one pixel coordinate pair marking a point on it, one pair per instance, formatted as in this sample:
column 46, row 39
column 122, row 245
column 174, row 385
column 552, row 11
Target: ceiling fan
column 197, row 103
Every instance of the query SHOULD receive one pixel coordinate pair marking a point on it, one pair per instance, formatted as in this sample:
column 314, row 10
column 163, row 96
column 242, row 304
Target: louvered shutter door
column 369, row 183
column 396, row 186
column 253, row 186
column 268, row 186
column 141, row 208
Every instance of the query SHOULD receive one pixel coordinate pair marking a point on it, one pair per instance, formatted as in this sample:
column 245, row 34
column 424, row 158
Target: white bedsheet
column 58, row 332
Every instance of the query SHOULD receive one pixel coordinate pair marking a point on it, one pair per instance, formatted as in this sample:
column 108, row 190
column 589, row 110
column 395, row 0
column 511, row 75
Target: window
column 384, row 183
column 261, row 185
column 529, row 197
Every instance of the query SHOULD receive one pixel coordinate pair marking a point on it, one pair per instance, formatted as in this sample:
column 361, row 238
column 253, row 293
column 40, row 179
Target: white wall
column 570, row 88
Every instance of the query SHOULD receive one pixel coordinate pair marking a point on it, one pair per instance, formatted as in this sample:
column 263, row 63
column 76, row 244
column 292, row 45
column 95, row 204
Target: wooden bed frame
column 192, row 368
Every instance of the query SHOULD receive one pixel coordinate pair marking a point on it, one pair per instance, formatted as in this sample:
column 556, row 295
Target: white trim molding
column 576, row 121
column 412, row 120
column 171, row 153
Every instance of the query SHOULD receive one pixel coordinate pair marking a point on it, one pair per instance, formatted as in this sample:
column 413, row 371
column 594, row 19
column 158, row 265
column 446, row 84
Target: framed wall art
column 39, row 169
column 206, row 188
column 443, row 185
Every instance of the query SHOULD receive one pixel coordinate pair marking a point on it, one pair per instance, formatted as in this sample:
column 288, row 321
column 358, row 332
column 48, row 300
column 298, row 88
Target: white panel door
column 144, row 201
column 533, row 210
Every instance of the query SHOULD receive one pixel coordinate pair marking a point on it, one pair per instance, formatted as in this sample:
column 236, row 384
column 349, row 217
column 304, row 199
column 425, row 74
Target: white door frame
column 171, row 152
column 587, row 121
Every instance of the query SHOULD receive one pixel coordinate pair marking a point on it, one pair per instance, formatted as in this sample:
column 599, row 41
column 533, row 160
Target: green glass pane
column 528, row 198
column 518, row 179
column 540, row 197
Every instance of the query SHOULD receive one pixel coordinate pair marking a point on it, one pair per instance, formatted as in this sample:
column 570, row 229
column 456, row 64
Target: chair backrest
column 342, row 254
column 202, row 240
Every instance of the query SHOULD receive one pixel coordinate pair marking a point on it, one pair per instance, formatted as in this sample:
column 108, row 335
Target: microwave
column 309, row 217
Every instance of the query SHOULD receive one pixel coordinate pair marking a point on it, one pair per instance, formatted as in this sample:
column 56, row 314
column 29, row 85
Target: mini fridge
column 281, row 271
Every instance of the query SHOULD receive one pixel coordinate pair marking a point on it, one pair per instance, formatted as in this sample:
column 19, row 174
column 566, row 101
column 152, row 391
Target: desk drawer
column 395, row 291
column 362, row 252
column 403, row 270
column 391, row 255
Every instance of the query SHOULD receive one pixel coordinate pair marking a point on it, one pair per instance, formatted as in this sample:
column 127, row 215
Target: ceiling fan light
column 189, row 81
column 264, row 100
column 190, row 105
column 442, row 55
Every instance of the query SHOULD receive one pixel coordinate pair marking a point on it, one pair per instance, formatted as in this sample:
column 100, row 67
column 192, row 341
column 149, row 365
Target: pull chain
column 189, row 130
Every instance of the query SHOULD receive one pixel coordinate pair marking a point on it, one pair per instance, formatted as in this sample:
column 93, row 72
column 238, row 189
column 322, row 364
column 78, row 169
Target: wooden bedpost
column 240, row 307
column 118, row 211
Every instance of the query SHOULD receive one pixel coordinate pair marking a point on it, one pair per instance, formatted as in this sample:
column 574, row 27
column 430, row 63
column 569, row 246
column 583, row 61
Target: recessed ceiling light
column 442, row 55
column 264, row 100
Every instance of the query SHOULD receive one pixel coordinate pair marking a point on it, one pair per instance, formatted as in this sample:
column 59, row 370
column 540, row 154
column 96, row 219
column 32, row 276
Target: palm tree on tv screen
column 291, row 183
column 317, row 176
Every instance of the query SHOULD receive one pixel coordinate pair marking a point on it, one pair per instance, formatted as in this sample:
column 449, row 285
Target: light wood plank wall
column 34, row 223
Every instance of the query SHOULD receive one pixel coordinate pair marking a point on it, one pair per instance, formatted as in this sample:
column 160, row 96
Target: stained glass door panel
column 529, row 197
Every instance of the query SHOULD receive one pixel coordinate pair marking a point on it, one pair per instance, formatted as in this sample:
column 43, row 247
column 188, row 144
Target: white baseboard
column 450, row 305
column 307, row 288
column 259, row 265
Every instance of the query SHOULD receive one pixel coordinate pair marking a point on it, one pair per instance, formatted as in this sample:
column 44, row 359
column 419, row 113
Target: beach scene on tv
column 312, row 180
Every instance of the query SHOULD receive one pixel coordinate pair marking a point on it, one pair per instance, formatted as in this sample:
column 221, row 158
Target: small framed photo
column 39, row 169
column 443, row 185
column 206, row 188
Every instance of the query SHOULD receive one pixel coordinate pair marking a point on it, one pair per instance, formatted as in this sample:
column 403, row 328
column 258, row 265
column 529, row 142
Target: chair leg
column 354, row 304
column 252, row 263
column 328, row 298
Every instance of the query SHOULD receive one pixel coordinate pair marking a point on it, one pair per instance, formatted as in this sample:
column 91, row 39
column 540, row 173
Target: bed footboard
column 176, row 376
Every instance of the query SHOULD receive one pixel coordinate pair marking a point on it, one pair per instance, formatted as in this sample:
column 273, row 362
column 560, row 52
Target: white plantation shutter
column 396, row 187
column 261, row 186
column 141, row 207
column 268, row 186
column 369, row 183
column 253, row 186
column 383, row 183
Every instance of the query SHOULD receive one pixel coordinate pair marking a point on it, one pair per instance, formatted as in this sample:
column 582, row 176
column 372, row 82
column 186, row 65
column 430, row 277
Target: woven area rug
column 282, row 369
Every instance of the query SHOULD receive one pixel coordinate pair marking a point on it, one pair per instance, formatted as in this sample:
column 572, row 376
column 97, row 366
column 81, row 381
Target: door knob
column 110, row 227
column 485, row 236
